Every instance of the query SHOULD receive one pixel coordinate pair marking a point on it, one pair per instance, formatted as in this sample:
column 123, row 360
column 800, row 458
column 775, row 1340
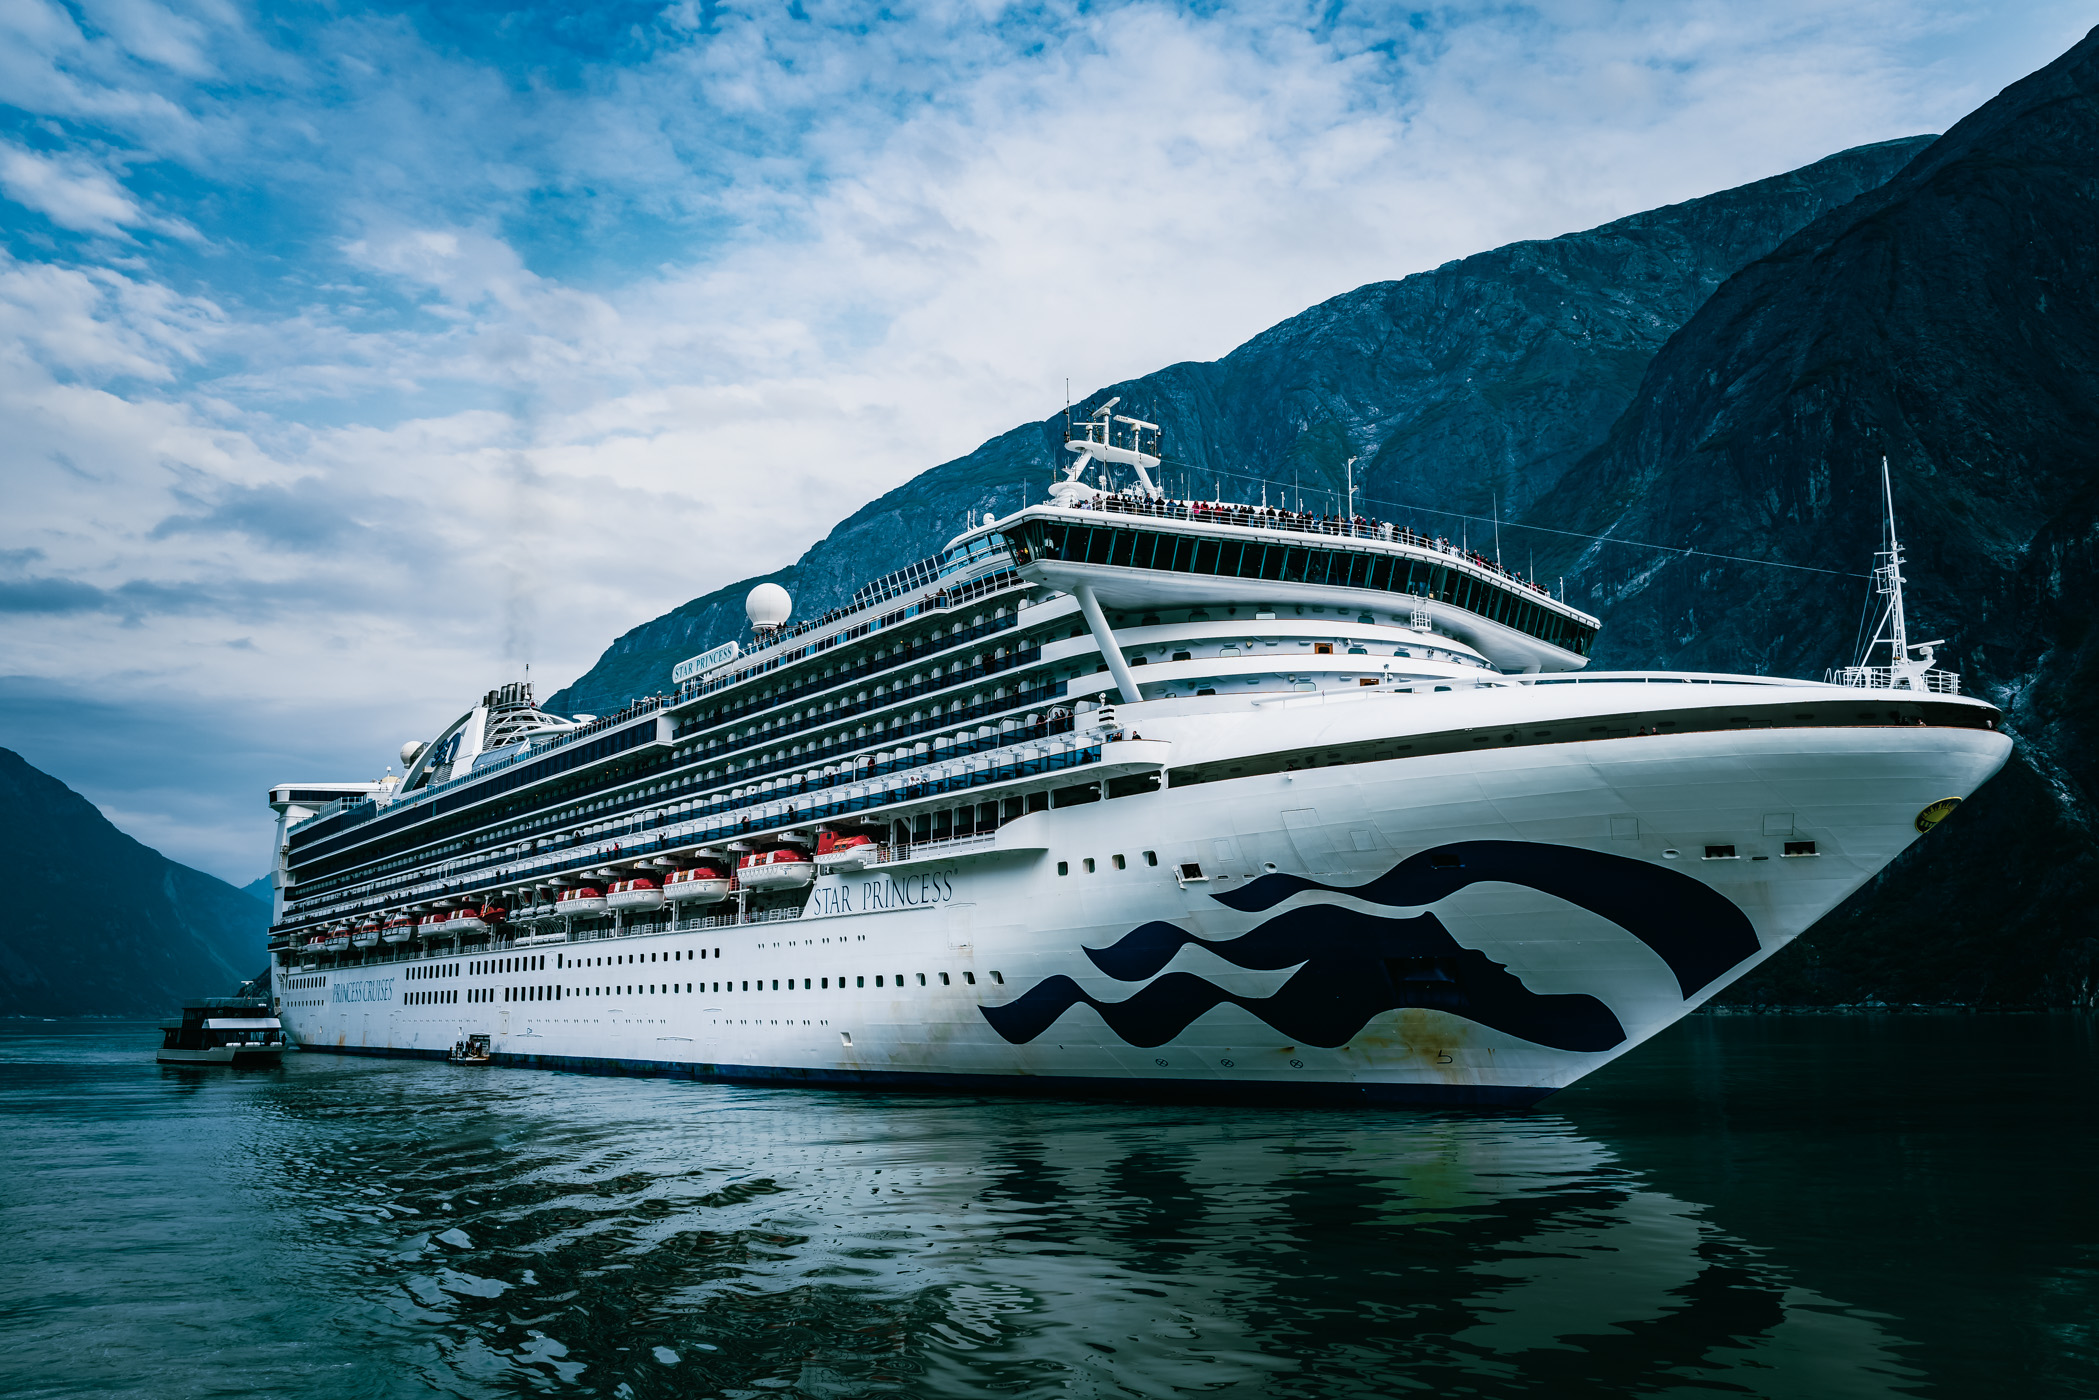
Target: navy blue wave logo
column 1695, row 929
column 1357, row 965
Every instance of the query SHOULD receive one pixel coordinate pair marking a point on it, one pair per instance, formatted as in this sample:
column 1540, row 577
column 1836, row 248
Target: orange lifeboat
column 336, row 940
column 638, row 893
column 471, row 920
column 584, row 899
column 398, row 929
column 845, row 851
column 367, row 935
column 702, row 884
column 782, row 868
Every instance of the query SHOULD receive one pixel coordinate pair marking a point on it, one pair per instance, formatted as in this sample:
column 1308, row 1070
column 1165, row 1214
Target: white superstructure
column 1119, row 794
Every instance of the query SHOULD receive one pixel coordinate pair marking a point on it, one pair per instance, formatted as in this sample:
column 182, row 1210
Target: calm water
column 1784, row 1207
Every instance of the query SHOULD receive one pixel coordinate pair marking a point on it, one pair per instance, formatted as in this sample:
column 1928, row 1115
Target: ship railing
column 1892, row 678
column 915, row 851
column 1303, row 523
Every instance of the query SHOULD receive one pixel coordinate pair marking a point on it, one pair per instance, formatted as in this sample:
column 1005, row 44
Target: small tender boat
column 398, row 929
column 433, row 925
column 367, row 935
column 222, row 1031
column 638, row 893
column 336, row 940
column 471, row 1051
column 703, row 884
column 584, row 899
column 842, row 851
column 782, row 868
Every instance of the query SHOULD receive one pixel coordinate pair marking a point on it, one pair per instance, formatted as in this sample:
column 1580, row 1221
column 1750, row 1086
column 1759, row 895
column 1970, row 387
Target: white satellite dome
column 410, row 751
column 768, row 606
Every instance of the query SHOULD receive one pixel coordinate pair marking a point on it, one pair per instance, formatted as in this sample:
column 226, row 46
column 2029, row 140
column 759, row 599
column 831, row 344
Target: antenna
column 1350, row 472
column 1906, row 669
column 1497, row 529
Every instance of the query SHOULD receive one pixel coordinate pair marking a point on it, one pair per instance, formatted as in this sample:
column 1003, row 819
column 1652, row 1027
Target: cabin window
column 921, row 979
column 878, row 979
column 1120, row 863
column 943, row 979
column 1089, row 865
column 970, row 977
column 1151, row 857
column 1064, row 867
column 859, row 981
column 1799, row 848
column 1720, row 853
column 999, row 977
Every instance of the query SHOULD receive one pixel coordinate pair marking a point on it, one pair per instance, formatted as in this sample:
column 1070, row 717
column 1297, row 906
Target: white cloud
column 69, row 192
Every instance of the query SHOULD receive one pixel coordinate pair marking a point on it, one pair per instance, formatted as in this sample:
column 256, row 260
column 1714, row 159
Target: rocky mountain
column 101, row 925
column 1478, row 383
column 1948, row 320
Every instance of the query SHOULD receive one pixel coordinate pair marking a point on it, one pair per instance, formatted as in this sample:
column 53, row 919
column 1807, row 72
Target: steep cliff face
column 1948, row 320
column 100, row 925
column 1480, row 382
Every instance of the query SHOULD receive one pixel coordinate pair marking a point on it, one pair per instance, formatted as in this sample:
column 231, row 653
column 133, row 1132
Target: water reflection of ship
column 1205, row 1254
column 1523, row 1252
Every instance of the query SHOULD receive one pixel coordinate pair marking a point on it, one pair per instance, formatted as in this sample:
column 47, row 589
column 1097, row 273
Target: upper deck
column 1143, row 553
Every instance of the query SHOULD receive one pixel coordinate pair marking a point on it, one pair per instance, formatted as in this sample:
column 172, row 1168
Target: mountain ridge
column 1555, row 334
column 103, row 924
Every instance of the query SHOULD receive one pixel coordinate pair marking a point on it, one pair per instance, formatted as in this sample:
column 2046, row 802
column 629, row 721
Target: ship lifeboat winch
column 703, row 884
column 782, row 868
column 584, row 899
column 638, row 893
column 845, row 851
column 398, row 929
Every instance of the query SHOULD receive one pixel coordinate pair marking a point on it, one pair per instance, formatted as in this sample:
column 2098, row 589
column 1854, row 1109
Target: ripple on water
column 368, row 1228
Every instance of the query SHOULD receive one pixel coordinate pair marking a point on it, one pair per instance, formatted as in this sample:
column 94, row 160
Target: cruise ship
column 1119, row 795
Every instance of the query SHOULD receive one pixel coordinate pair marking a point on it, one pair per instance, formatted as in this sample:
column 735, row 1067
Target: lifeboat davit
column 584, row 899
column 638, row 893
column 367, row 935
column 702, row 884
column 835, row 851
column 399, row 929
column 782, row 868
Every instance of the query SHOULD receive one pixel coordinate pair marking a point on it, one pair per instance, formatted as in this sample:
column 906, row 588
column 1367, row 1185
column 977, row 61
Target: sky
column 353, row 358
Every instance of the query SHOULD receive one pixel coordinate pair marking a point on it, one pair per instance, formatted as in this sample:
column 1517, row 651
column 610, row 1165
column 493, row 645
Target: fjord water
column 1761, row 1206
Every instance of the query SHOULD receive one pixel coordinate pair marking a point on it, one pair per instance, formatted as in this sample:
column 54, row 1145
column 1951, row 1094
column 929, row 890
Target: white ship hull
column 1484, row 926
